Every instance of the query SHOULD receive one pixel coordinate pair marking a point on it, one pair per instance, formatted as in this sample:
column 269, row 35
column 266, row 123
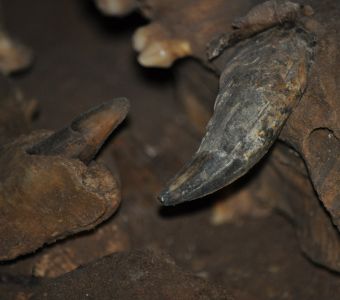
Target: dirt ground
column 83, row 59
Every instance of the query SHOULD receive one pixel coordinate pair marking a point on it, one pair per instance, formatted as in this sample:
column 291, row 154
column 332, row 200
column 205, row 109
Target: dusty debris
column 131, row 275
column 47, row 191
column 66, row 256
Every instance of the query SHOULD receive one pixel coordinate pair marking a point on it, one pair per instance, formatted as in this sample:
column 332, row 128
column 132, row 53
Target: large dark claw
column 259, row 87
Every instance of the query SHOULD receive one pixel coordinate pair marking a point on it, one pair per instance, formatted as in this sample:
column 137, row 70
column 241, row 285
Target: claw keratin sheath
column 259, row 87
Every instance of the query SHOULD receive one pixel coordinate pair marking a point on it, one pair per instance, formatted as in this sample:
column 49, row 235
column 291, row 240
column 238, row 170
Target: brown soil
column 83, row 59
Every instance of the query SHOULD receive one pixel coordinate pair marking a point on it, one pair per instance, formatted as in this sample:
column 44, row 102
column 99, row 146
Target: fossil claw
column 259, row 87
column 85, row 135
column 47, row 192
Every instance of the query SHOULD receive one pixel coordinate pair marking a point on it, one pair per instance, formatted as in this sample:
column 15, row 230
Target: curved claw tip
column 168, row 199
column 105, row 117
column 83, row 138
column 202, row 176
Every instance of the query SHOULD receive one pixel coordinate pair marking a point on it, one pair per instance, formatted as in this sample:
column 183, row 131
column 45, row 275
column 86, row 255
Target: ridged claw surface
column 259, row 87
